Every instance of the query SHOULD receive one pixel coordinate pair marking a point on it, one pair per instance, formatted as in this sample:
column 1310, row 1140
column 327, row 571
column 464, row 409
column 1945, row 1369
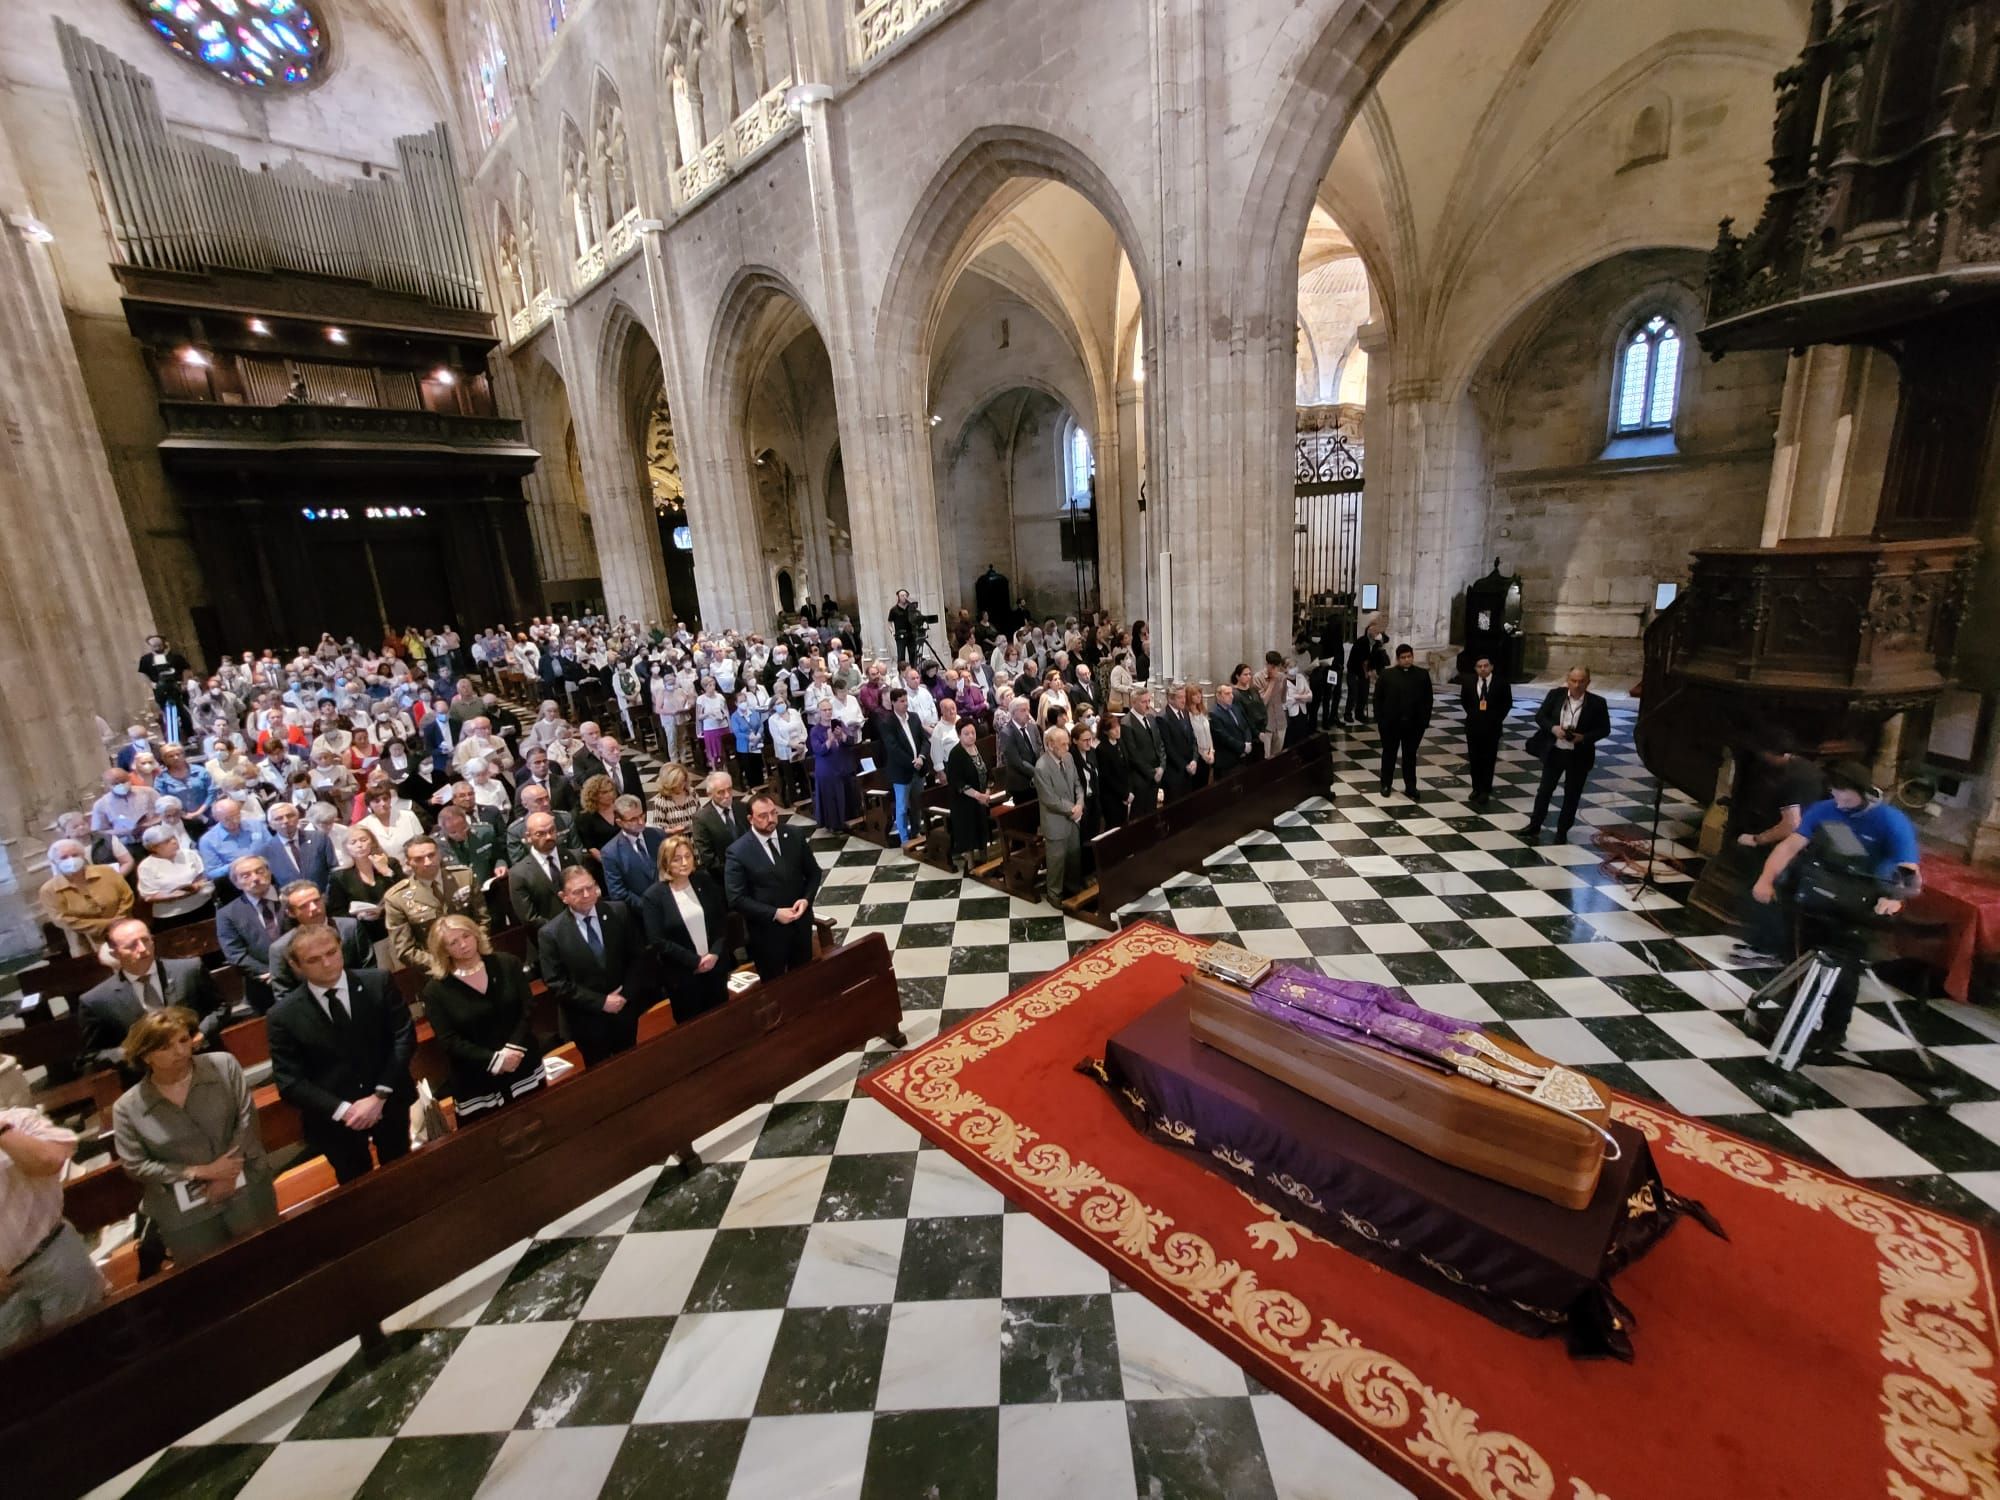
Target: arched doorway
column 669, row 497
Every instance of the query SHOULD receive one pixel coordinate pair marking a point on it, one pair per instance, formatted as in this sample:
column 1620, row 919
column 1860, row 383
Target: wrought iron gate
column 1326, row 487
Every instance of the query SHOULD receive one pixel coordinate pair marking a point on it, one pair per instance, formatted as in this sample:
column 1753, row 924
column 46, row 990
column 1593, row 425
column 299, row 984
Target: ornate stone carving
column 878, row 27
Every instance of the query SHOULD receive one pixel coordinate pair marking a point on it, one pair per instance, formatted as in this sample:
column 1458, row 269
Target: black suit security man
column 1140, row 744
column 1402, row 713
column 1487, row 702
column 1180, row 757
column 341, row 1044
column 772, row 877
column 1570, row 722
column 723, row 819
column 590, row 958
column 141, row 982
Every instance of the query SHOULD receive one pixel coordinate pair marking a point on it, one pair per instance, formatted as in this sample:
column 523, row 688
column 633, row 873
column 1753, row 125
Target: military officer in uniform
column 432, row 890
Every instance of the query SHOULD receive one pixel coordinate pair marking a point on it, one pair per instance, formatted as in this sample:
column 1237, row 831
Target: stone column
column 628, row 547
column 76, row 615
column 885, row 435
column 715, row 468
column 1117, row 489
column 1129, row 440
column 1379, row 454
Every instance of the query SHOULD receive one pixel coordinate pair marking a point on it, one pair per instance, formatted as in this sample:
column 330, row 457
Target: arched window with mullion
column 1649, row 379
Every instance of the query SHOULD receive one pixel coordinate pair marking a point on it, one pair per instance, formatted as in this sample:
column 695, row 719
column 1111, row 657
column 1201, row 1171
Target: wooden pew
column 1020, row 828
column 1133, row 859
column 176, row 1352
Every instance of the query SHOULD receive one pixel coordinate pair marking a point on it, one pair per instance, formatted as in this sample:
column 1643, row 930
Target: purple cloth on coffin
column 1518, row 1260
column 1351, row 1010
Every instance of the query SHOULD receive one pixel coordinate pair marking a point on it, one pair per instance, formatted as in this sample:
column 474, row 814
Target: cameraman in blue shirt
column 1890, row 842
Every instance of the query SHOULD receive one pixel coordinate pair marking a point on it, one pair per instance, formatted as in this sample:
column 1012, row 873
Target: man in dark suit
column 1019, row 745
column 623, row 769
column 537, row 772
column 247, row 927
column 537, row 801
column 1180, row 755
column 1402, row 713
column 723, row 819
column 295, row 852
column 341, row 1044
column 141, row 982
column 589, row 956
column 1140, row 745
column 905, row 759
column 440, row 737
column 1361, row 658
column 305, row 908
column 772, row 877
column 534, row 881
column 631, row 860
column 1487, row 701
column 1570, row 722
column 1228, row 730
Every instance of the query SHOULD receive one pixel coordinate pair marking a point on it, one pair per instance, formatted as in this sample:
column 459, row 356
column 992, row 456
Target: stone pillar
column 885, row 435
column 1134, row 560
column 1117, row 488
column 1379, row 454
column 628, row 547
column 76, row 615
column 729, row 570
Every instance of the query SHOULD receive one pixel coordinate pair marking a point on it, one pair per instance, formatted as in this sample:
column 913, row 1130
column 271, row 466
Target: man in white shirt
column 944, row 733
column 923, row 707
column 46, row 1276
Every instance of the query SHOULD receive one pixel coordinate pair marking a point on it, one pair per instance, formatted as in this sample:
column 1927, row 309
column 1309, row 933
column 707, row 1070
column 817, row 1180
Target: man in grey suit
column 1059, row 790
column 142, row 982
column 306, row 907
column 1020, row 747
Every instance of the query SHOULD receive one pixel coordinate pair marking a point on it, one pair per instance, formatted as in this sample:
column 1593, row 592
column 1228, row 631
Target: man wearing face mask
column 99, row 848
column 125, row 808
column 81, row 898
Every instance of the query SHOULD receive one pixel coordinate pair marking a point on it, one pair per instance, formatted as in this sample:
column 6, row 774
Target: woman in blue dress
column 835, row 798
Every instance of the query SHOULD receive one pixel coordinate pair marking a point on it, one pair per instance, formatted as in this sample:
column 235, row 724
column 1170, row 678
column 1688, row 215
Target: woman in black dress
column 1114, row 777
column 1142, row 652
column 479, row 1006
column 687, row 923
column 594, row 828
column 966, row 773
column 1090, row 784
column 357, row 890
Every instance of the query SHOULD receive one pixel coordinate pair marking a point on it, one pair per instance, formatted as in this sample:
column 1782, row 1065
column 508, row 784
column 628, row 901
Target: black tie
column 592, row 936
column 336, row 1008
column 771, row 848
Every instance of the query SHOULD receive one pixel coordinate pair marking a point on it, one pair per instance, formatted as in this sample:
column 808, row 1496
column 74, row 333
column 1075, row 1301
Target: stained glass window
column 558, row 12
column 258, row 44
column 1649, row 378
column 490, row 96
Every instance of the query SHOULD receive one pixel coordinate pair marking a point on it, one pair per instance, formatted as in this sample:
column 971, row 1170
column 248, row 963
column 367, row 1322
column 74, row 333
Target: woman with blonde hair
column 479, row 1004
column 1204, row 740
column 674, row 801
column 187, row 1134
column 594, row 827
column 687, row 924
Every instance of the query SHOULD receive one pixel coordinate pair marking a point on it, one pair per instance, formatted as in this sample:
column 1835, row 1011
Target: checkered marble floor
column 833, row 1308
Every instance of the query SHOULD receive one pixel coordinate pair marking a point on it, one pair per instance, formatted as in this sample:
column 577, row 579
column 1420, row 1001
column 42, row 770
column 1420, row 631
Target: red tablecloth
column 1967, row 901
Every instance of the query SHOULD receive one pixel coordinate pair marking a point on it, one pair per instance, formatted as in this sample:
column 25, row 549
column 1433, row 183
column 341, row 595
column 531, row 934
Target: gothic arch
column 534, row 253
column 966, row 192
column 579, row 211
column 749, row 326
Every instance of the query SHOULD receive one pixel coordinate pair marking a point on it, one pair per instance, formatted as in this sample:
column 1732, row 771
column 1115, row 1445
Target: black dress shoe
column 1385, row 788
column 1411, row 793
column 1532, row 832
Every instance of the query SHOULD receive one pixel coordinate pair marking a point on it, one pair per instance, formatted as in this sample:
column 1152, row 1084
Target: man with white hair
column 547, row 728
column 1059, row 791
column 479, row 742
column 723, row 819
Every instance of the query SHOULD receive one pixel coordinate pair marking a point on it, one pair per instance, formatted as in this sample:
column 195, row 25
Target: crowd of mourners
column 358, row 820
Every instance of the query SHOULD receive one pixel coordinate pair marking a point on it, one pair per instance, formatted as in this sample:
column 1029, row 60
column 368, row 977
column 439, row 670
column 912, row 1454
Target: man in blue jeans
column 904, row 758
column 1891, row 844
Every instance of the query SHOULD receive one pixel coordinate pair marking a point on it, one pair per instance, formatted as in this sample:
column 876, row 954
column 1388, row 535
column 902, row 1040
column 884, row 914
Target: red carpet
column 1839, row 1344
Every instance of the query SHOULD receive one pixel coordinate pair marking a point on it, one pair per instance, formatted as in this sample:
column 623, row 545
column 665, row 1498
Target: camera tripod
column 1808, row 983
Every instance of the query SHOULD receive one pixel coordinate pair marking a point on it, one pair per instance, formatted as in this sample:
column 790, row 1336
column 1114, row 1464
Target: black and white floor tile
column 832, row 1308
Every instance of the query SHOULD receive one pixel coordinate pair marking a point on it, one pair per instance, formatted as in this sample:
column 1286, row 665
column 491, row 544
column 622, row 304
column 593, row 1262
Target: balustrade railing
column 193, row 421
column 531, row 317
column 878, row 27
column 760, row 124
column 705, row 173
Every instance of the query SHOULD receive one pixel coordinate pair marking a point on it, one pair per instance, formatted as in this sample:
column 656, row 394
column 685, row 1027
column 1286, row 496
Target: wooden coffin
column 1453, row 1119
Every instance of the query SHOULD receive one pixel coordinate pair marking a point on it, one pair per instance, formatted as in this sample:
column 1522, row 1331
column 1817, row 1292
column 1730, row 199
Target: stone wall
column 1590, row 532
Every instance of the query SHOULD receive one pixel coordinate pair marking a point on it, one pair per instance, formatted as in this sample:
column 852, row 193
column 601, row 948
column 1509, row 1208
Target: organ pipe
column 173, row 202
